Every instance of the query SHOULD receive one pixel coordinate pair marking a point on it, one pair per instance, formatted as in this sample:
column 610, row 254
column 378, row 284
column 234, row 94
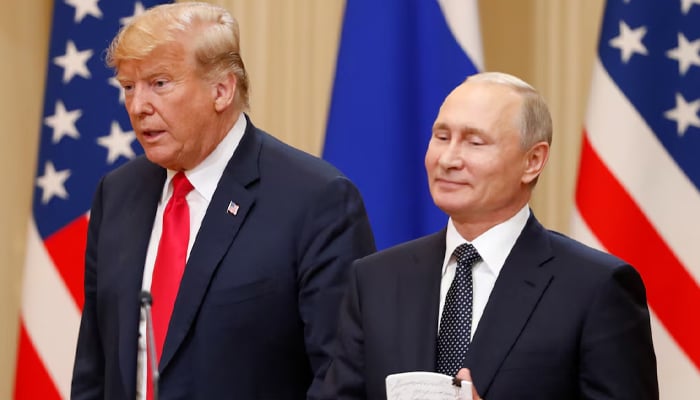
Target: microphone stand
column 146, row 302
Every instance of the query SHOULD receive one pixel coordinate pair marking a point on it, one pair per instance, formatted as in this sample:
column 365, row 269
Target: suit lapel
column 519, row 286
column 418, row 302
column 142, row 208
column 215, row 236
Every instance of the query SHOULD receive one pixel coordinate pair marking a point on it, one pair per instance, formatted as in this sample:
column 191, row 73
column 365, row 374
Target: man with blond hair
column 243, row 242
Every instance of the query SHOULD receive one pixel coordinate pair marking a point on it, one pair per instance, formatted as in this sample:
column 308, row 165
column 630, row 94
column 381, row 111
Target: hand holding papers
column 426, row 386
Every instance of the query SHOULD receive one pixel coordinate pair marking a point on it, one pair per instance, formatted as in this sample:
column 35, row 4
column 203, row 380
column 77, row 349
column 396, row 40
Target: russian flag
column 397, row 62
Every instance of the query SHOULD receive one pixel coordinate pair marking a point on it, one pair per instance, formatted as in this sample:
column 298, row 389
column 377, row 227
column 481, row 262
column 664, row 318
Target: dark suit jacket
column 257, row 307
column 563, row 322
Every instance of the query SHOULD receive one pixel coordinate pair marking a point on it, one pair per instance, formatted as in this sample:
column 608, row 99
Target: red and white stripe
column 50, row 315
column 633, row 201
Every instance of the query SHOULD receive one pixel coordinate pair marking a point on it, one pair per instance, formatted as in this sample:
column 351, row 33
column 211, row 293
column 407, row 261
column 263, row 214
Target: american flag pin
column 232, row 208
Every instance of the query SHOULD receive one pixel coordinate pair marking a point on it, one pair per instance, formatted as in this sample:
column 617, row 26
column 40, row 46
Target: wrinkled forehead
column 482, row 96
column 481, row 105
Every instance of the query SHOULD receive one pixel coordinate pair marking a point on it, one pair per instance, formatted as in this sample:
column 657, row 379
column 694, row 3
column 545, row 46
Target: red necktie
column 170, row 262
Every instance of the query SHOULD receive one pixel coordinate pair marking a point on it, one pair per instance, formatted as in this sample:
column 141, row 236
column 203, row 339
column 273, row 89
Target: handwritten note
column 425, row 386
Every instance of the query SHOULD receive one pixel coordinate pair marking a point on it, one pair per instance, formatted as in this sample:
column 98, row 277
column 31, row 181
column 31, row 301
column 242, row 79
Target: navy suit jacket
column 257, row 307
column 563, row 322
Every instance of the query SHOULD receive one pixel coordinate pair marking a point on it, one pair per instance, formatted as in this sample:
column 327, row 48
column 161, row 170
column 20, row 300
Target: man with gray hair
column 494, row 298
column 243, row 242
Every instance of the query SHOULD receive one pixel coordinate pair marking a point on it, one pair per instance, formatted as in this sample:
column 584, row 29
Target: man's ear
column 225, row 92
column 535, row 160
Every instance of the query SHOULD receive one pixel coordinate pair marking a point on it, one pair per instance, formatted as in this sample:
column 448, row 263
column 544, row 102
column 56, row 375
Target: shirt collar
column 494, row 245
column 205, row 176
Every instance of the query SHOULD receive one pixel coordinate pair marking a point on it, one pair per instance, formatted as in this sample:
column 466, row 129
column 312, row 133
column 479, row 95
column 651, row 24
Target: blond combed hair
column 213, row 32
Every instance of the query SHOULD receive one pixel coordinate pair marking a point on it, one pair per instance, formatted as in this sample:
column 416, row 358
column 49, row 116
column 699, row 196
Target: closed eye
column 441, row 135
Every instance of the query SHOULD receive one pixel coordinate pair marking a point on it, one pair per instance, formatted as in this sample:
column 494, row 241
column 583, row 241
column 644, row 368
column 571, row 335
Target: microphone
column 146, row 302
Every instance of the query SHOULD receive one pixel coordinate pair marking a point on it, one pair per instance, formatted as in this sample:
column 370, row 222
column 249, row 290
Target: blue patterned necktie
column 456, row 322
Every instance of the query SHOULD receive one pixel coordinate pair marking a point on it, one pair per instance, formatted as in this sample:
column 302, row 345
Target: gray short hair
column 535, row 119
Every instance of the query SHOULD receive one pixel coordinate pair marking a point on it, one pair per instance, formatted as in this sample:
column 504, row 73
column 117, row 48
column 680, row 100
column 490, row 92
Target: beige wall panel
column 566, row 37
column 551, row 44
column 508, row 34
column 289, row 48
column 24, row 30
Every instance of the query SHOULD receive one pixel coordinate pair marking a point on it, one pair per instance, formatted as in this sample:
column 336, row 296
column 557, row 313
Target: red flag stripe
column 49, row 314
column 641, row 165
column 32, row 381
column 67, row 250
column 672, row 291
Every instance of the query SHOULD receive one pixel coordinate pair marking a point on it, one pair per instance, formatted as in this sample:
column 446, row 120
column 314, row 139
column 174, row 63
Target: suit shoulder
column 428, row 249
column 135, row 166
column 277, row 156
column 582, row 256
column 133, row 171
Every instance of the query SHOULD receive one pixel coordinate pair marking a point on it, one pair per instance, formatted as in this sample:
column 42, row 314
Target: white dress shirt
column 204, row 178
column 494, row 246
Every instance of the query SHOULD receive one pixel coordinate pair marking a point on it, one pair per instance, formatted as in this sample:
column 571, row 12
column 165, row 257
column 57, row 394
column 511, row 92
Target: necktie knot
column 181, row 186
column 466, row 256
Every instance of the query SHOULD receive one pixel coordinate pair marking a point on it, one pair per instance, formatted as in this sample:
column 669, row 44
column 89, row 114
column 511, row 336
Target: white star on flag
column 74, row 62
column 118, row 143
column 685, row 114
column 52, row 183
column 687, row 53
column 629, row 41
column 686, row 4
column 83, row 8
column 63, row 122
column 114, row 82
column 138, row 9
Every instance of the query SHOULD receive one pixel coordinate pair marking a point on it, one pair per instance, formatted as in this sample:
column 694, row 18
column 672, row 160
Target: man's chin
column 164, row 160
column 453, row 207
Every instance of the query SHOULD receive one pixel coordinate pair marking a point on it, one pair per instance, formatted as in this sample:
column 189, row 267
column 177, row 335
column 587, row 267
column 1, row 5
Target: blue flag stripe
column 397, row 62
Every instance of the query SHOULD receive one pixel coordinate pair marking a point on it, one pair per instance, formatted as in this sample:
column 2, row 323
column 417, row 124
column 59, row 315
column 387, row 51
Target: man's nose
column 140, row 102
column 451, row 157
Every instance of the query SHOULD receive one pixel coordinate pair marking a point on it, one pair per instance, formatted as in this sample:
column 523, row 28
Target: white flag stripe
column 582, row 232
column 463, row 20
column 624, row 143
column 677, row 374
column 49, row 313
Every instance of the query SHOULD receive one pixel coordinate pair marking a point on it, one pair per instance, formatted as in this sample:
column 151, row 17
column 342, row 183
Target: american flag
column 85, row 133
column 638, row 187
column 232, row 208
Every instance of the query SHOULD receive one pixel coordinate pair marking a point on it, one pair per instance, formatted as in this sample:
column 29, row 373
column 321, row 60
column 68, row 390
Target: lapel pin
column 232, row 208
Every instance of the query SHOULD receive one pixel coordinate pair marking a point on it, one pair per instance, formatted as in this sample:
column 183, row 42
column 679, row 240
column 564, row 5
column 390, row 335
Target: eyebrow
column 463, row 130
column 156, row 70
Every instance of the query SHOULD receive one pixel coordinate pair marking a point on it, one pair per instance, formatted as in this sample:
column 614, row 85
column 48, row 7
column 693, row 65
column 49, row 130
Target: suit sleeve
column 617, row 354
column 88, row 370
column 336, row 232
column 345, row 379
